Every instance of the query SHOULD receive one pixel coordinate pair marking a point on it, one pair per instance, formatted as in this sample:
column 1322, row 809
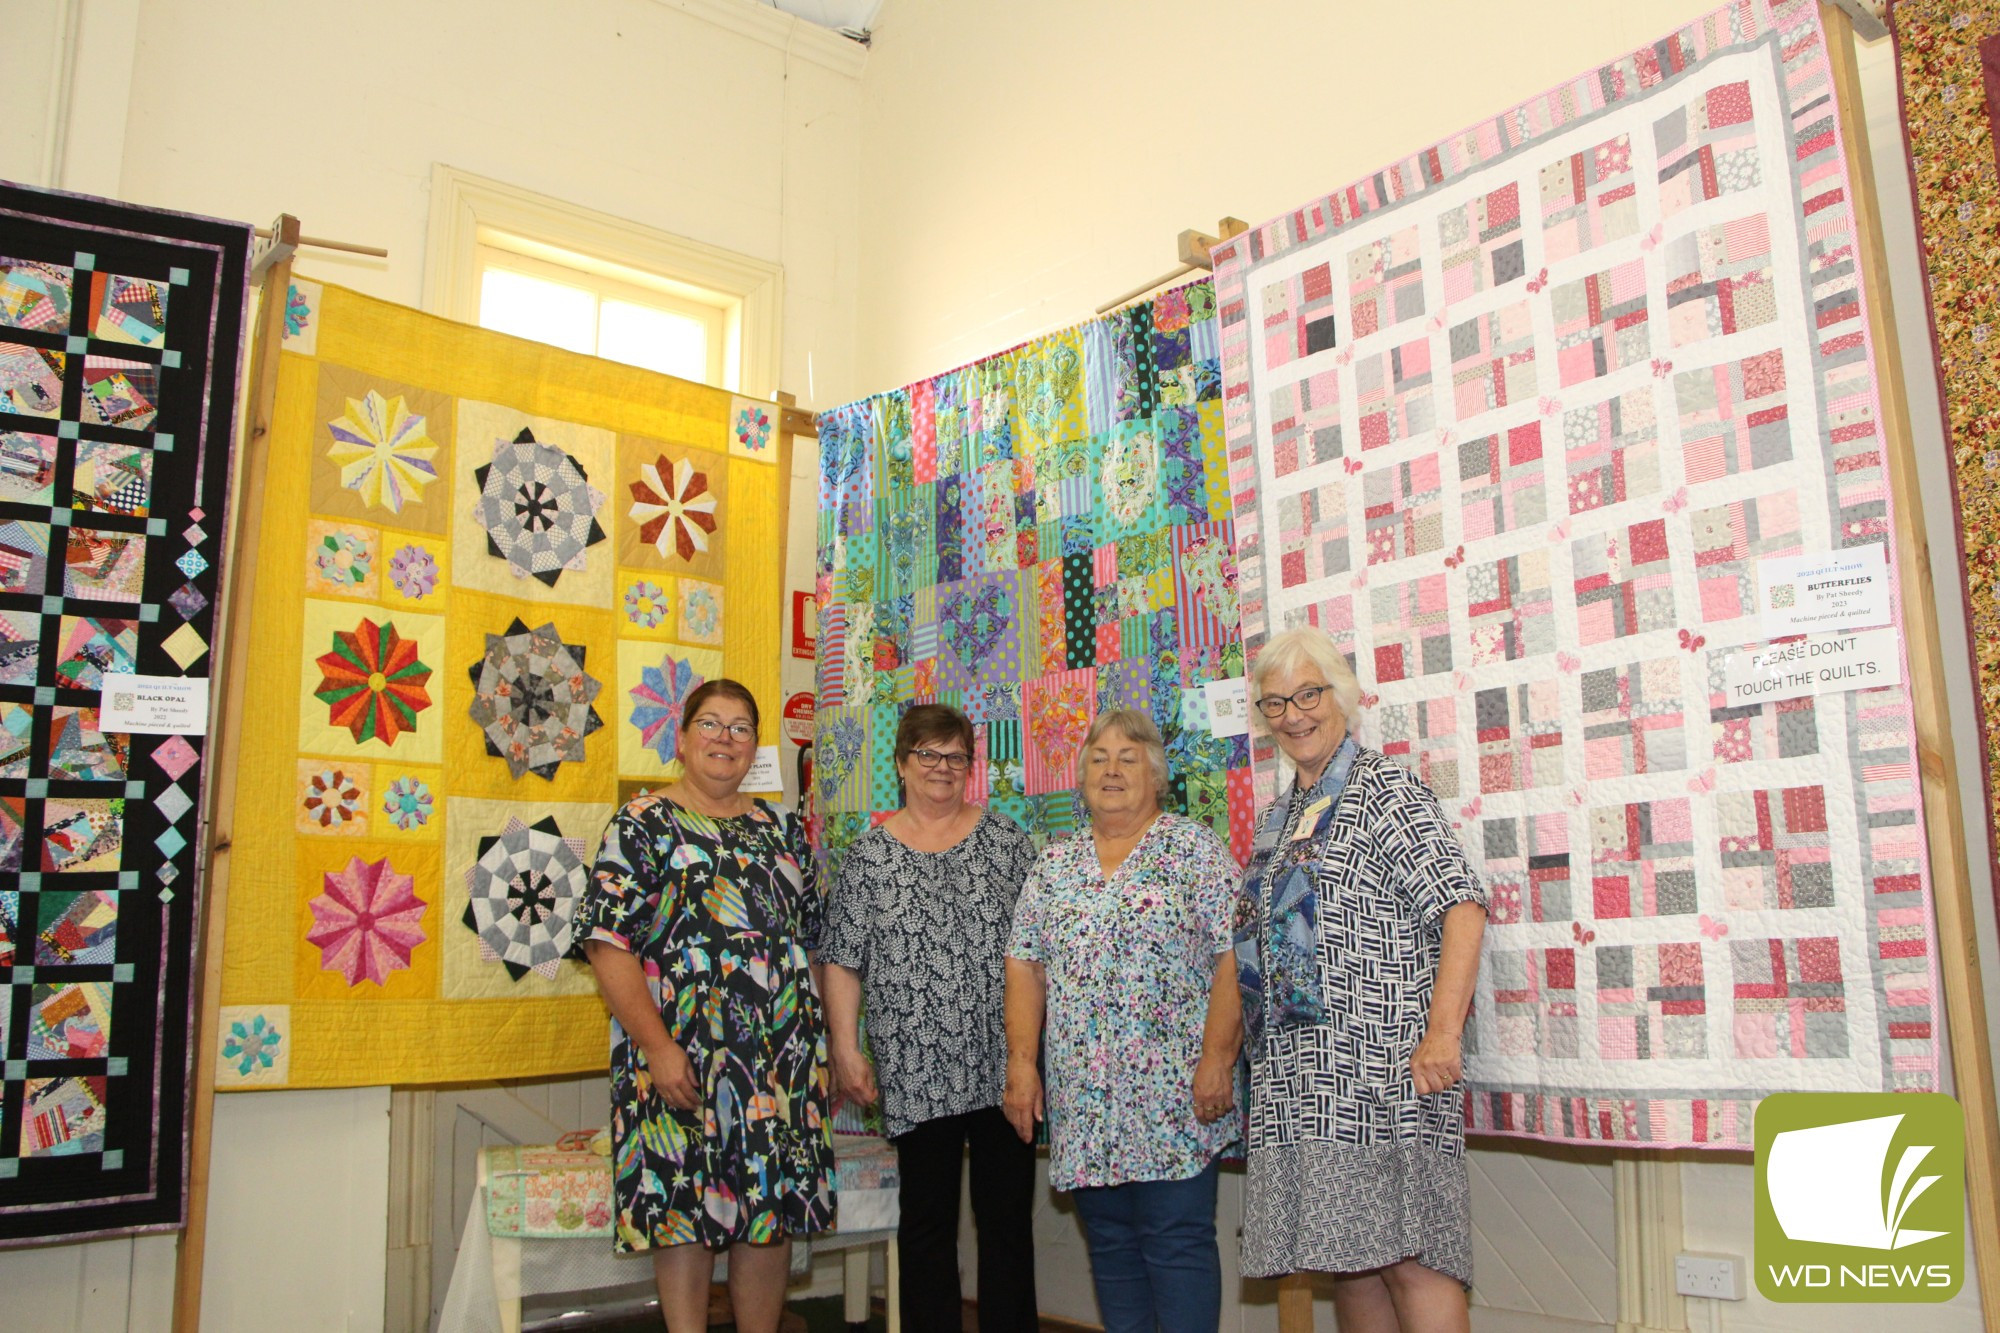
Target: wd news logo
column 1860, row 1196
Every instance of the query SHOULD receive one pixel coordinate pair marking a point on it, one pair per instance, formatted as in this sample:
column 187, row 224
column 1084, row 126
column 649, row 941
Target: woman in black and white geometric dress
column 1358, row 947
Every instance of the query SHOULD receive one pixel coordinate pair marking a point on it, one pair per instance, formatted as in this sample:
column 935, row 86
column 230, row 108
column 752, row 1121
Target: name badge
column 1309, row 818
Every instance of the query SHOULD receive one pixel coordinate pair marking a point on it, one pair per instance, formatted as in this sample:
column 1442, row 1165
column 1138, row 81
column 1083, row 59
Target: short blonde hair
column 1295, row 650
column 1135, row 726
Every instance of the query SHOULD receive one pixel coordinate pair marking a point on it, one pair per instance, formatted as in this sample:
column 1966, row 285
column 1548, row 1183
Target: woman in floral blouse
column 1121, row 953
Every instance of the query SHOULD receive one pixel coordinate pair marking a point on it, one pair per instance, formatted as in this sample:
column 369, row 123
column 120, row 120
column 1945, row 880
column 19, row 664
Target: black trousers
column 1003, row 1193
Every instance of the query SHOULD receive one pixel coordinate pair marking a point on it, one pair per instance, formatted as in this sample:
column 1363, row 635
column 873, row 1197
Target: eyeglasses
column 1305, row 700
column 957, row 760
column 736, row 731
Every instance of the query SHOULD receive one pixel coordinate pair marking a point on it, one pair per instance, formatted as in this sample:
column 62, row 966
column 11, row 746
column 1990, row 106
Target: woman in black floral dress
column 697, row 921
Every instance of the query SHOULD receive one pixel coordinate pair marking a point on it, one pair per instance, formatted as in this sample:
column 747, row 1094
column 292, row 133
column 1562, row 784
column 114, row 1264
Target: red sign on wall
column 805, row 625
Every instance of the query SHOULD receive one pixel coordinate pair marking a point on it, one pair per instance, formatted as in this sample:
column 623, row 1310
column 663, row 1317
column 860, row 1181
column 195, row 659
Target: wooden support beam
column 224, row 739
column 1944, row 818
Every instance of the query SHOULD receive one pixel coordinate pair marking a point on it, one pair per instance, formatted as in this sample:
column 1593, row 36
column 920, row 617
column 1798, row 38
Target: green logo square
column 1860, row 1196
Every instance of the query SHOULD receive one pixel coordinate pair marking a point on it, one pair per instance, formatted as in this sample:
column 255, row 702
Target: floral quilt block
column 1601, row 323
column 1412, row 628
column 1642, row 859
column 1734, row 417
column 1789, row 999
column 1305, row 423
column 1652, row 1001
column 1611, row 451
column 1774, row 848
column 1624, row 583
column 1589, row 199
column 1510, row 608
column 1493, row 360
column 1730, row 540
column 1299, row 316
column 1634, row 720
column 1422, row 735
column 1526, row 862
column 1502, row 486
column 1481, row 243
column 1385, row 282
column 1056, row 712
column 1392, row 391
column 1719, row 280
column 1535, row 1002
column 1707, row 148
column 1520, row 736
column 1403, row 509
column 1312, row 532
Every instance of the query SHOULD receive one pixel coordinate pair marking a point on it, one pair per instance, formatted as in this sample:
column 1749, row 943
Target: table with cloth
column 541, row 1224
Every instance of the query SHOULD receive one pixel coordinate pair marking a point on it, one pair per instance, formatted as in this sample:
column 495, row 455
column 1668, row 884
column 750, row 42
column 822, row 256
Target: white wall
column 1024, row 163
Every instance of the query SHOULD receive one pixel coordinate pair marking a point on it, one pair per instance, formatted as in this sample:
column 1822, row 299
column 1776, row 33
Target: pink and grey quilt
column 1516, row 419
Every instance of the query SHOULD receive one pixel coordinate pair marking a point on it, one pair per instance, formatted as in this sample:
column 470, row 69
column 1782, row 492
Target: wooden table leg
column 1295, row 1303
column 854, row 1284
column 894, row 1297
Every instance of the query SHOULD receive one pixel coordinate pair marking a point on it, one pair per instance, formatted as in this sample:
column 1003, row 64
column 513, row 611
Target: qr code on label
column 123, row 702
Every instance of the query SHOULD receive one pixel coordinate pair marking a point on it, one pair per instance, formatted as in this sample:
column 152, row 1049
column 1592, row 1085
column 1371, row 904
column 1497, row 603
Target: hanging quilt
column 494, row 571
column 1531, row 422
column 1948, row 62
column 121, row 331
column 1031, row 539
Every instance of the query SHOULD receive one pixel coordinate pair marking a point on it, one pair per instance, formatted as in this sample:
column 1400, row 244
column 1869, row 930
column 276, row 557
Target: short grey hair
column 1292, row 652
column 1134, row 725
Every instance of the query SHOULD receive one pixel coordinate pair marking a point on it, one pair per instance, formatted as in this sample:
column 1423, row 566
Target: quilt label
column 154, row 705
column 1812, row 594
column 764, row 774
column 1228, row 707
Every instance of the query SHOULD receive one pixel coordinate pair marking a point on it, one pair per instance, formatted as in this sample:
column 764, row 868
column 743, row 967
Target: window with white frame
column 591, row 305
column 517, row 262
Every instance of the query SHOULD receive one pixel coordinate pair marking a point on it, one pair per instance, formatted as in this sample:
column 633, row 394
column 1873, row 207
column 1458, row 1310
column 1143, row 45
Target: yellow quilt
column 491, row 571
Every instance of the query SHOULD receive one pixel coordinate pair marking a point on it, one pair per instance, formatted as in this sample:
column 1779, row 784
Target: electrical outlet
column 1719, row 1277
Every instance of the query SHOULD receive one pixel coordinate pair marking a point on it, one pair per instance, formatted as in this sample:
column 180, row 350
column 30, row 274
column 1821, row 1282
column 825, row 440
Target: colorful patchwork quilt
column 120, row 338
column 493, row 573
column 1948, row 60
column 1031, row 539
column 1519, row 420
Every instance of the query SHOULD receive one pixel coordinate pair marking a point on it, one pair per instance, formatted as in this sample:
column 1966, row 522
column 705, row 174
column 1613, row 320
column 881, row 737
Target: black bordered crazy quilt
column 121, row 333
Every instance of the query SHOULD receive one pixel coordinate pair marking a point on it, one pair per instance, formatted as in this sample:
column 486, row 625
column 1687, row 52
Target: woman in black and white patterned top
column 919, row 922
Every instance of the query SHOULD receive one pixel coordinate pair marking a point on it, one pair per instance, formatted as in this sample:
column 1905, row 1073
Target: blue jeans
column 1152, row 1254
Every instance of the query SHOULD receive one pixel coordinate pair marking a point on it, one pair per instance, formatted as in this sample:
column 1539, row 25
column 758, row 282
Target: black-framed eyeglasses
column 957, row 761
column 736, row 731
column 1305, row 700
